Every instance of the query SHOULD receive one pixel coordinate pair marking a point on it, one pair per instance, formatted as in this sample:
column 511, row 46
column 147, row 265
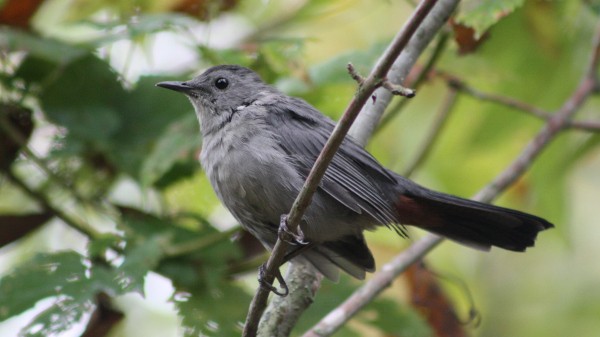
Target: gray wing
column 354, row 177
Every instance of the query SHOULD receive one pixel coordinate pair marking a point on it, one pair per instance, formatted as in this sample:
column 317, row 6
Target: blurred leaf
column 35, row 69
column 204, row 9
column 43, row 48
column 278, row 57
column 396, row 319
column 72, row 283
column 428, row 298
column 226, row 56
column 18, row 13
column 145, row 225
column 64, row 278
column 83, row 100
column 594, row 5
column 98, row 246
column 139, row 260
column 99, row 115
column 177, row 142
column 137, row 27
column 466, row 39
column 38, row 279
column 482, row 14
column 206, row 259
column 146, row 114
column 178, row 171
column 334, row 70
column 329, row 297
column 216, row 311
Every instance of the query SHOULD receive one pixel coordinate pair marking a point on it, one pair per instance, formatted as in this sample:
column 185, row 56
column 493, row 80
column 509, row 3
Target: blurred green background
column 104, row 208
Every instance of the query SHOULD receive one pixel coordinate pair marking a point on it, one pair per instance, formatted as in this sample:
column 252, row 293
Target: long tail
column 469, row 222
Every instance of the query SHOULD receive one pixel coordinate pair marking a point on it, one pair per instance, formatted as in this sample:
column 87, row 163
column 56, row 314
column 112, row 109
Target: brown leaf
column 203, row 9
column 430, row 301
column 465, row 38
column 18, row 13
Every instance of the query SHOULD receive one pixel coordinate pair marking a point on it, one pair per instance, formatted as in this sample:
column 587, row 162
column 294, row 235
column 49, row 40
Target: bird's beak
column 176, row 86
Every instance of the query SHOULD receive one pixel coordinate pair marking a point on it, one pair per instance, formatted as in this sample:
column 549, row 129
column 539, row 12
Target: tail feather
column 350, row 254
column 469, row 222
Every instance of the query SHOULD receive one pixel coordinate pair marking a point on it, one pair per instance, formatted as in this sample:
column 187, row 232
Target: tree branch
column 593, row 126
column 438, row 50
column 424, row 34
column 382, row 279
column 364, row 92
column 371, row 113
column 283, row 313
column 81, row 227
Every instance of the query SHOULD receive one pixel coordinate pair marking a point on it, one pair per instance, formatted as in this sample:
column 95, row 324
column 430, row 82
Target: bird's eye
column 221, row 83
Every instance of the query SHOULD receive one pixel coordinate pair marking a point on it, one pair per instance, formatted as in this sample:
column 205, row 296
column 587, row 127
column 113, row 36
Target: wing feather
column 354, row 177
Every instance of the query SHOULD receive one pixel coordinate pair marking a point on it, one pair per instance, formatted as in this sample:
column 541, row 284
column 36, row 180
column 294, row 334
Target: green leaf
column 66, row 279
column 179, row 140
column 329, row 297
column 395, row 319
column 58, row 318
column 82, row 99
column 98, row 246
column 178, row 171
column 225, row 56
column 139, row 260
column 334, row 70
column 482, row 14
column 38, row 279
column 43, row 48
column 217, row 311
column 35, row 69
column 146, row 113
column 138, row 29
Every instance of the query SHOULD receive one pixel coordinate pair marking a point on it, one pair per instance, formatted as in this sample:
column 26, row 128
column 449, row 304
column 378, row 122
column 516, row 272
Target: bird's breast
column 250, row 173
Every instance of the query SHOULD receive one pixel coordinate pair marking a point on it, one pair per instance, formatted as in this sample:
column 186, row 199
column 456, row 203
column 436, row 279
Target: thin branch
column 382, row 279
column 593, row 126
column 19, row 139
column 424, row 34
column 371, row 113
column 82, row 228
column 440, row 46
column 198, row 243
column 283, row 313
column 302, row 202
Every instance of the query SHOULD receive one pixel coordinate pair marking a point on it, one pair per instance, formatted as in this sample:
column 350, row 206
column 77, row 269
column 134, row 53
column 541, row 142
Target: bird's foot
column 287, row 235
column 262, row 280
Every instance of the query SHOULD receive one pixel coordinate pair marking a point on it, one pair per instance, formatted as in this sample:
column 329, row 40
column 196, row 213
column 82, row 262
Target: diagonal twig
column 364, row 92
column 277, row 320
column 382, row 279
column 593, row 126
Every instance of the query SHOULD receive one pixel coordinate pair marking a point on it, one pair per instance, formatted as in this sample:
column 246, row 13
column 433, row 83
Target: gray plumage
column 259, row 145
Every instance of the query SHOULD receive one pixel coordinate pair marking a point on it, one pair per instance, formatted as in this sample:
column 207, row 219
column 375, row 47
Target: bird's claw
column 287, row 235
column 262, row 280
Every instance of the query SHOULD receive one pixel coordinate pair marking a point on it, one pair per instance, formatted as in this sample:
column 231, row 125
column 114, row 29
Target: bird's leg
column 262, row 273
column 301, row 245
column 286, row 234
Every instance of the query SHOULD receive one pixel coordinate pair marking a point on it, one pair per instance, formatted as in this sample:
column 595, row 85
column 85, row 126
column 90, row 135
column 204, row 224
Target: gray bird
column 259, row 146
